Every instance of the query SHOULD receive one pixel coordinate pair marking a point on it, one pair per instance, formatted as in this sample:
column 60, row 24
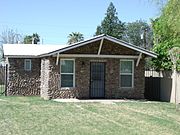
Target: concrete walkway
column 104, row 101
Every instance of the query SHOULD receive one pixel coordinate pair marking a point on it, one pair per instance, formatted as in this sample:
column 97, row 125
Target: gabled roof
column 35, row 51
column 100, row 37
column 28, row 50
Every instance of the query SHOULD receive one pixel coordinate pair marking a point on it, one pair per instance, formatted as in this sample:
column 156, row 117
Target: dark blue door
column 97, row 80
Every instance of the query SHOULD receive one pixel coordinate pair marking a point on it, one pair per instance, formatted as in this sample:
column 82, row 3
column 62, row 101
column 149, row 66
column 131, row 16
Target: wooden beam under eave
column 97, row 56
column 138, row 60
column 100, row 46
column 57, row 59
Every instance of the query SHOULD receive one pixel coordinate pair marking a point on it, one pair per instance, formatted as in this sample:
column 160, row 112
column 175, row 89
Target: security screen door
column 97, row 80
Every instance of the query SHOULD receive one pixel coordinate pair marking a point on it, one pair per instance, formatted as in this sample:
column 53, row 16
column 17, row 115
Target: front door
column 97, row 80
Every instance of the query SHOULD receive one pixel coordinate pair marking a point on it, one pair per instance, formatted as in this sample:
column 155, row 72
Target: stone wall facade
column 108, row 48
column 44, row 78
column 82, row 74
column 21, row 82
column 82, row 80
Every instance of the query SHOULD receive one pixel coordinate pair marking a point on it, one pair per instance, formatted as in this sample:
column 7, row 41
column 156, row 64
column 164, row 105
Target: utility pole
column 42, row 42
column 32, row 40
column 145, row 38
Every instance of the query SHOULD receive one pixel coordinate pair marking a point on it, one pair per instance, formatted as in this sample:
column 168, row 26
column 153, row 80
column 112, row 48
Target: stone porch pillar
column 44, row 78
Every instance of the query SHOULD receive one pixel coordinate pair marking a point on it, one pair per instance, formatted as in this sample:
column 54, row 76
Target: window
column 27, row 64
column 67, row 73
column 126, row 73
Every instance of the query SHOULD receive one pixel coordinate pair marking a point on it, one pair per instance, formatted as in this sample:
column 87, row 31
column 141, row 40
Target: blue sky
column 53, row 20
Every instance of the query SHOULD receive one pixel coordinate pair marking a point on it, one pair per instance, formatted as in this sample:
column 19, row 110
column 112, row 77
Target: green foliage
column 133, row 33
column 34, row 38
column 75, row 37
column 98, row 30
column 163, row 62
column 166, row 31
column 111, row 25
column 28, row 39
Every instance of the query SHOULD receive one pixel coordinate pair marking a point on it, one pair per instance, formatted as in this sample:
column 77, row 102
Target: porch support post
column 138, row 60
column 6, row 61
column 57, row 59
column 100, row 46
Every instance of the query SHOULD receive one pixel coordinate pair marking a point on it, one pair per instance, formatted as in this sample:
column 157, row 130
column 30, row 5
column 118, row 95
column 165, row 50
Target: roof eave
column 75, row 45
column 21, row 56
column 131, row 46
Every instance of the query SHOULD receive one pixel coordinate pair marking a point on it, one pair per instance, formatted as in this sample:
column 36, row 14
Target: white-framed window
column 27, row 65
column 67, row 70
column 126, row 73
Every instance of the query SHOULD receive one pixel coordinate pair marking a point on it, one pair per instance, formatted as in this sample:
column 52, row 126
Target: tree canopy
column 111, row 25
column 32, row 39
column 166, row 31
column 75, row 37
column 133, row 33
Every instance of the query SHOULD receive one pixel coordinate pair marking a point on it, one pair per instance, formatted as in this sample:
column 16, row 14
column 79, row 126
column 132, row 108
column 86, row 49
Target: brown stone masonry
column 50, row 74
column 80, row 91
column 21, row 82
column 82, row 81
column 113, row 88
column 108, row 48
column 44, row 78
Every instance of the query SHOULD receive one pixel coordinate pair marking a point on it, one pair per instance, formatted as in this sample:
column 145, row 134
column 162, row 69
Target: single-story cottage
column 100, row 67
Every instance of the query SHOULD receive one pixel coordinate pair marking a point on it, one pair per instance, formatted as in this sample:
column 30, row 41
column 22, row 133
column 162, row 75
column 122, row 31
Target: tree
column 10, row 36
column 134, row 31
column 175, row 56
column 98, row 30
column 75, row 37
column 166, row 31
column 111, row 25
column 28, row 39
column 32, row 39
column 1, row 53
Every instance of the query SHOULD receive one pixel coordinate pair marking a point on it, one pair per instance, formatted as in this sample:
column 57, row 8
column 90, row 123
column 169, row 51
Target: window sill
column 126, row 88
column 67, row 88
column 27, row 70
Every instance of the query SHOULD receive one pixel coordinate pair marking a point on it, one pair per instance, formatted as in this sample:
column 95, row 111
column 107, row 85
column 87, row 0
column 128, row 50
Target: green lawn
column 34, row 116
column 2, row 89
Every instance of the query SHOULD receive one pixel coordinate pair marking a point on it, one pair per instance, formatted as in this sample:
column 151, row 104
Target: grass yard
column 2, row 89
column 34, row 116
